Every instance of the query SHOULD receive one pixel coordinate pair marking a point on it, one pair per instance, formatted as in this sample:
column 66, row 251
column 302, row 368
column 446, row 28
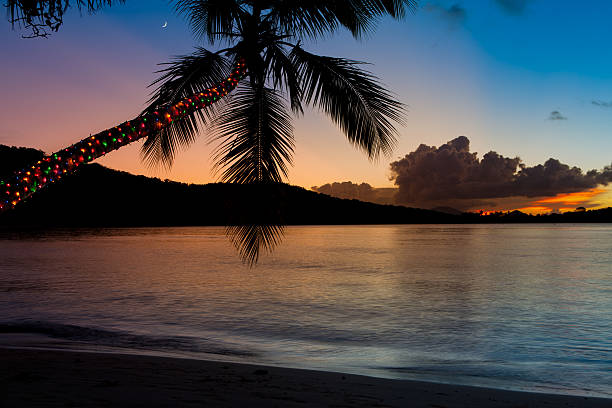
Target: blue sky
column 492, row 70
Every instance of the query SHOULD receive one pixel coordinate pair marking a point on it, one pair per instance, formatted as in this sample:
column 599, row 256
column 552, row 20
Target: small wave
column 123, row 339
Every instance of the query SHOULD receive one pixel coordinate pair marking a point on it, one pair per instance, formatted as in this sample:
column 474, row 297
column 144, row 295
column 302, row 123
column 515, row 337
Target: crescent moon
column 165, row 25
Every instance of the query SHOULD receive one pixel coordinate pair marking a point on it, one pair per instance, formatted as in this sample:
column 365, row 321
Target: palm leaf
column 182, row 78
column 394, row 8
column 284, row 75
column 251, row 239
column 353, row 98
column 256, row 136
column 210, row 19
column 313, row 18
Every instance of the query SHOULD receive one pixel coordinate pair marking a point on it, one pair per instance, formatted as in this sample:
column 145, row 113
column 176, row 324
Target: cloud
column 347, row 189
column 602, row 104
column 556, row 115
column 514, row 7
column 454, row 15
column 363, row 192
column 451, row 175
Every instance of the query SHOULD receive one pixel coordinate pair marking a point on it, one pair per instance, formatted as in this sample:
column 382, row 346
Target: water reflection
column 501, row 305
column 250, row 240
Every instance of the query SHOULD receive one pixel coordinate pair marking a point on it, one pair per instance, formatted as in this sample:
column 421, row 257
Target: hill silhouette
column 13, row 158
column 97, row 196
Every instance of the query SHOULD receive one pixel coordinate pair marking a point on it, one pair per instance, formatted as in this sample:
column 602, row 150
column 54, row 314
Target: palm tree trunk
column 22, row 184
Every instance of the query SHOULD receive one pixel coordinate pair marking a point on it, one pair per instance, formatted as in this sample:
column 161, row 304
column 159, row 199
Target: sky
column 524, row 78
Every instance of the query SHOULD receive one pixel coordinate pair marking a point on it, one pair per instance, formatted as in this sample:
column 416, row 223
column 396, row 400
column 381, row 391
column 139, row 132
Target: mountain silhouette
column 97, row 196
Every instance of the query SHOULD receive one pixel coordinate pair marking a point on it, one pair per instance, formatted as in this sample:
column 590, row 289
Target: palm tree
column 253, row 125
column 275, row 76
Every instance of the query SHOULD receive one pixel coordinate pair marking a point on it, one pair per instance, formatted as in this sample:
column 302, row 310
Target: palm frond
column 284, row 75
column 256, row 136
column 182, row 78
column 353, row 98
column 313, row 18
column 395, row 8
column 251, row 239
column 210, row 19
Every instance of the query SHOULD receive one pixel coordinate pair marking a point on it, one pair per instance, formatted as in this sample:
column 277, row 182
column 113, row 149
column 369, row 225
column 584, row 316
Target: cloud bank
column 363, row 192
column 451, row 175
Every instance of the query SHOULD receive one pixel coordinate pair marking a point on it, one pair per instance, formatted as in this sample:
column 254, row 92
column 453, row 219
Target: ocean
column 525, row 307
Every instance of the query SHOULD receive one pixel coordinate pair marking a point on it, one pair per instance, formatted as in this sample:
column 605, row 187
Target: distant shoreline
column 48, row 228
column 50, row 377
column 97, row 196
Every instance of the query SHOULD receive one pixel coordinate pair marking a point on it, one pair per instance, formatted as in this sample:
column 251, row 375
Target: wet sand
column 48, row 378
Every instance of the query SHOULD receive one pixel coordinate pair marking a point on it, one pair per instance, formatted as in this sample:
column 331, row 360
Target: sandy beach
column 42, row 378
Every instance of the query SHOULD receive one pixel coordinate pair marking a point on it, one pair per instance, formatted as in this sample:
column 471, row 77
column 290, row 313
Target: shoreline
column 45, row 342
column 36, row 377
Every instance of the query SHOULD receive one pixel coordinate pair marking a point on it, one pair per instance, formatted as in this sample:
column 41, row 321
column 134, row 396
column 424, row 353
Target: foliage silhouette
column 42, row 16
column 252, row 127
column 282, row 77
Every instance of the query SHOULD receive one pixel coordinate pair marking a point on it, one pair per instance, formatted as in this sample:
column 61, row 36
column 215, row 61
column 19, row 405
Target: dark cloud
column 452, row 175
column 602, row 104
column 514, row 7
column 454, row 15
column 556, row 115
column 347, row 189
column 363, row 192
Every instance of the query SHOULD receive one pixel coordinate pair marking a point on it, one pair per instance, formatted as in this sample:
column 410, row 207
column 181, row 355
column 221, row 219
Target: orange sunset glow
column 564, row 202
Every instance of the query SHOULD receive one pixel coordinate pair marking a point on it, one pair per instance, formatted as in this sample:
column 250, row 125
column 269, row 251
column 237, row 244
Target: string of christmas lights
column 51, row 168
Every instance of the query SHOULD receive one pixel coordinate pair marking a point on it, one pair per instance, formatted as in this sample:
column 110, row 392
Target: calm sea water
column 510, row 306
